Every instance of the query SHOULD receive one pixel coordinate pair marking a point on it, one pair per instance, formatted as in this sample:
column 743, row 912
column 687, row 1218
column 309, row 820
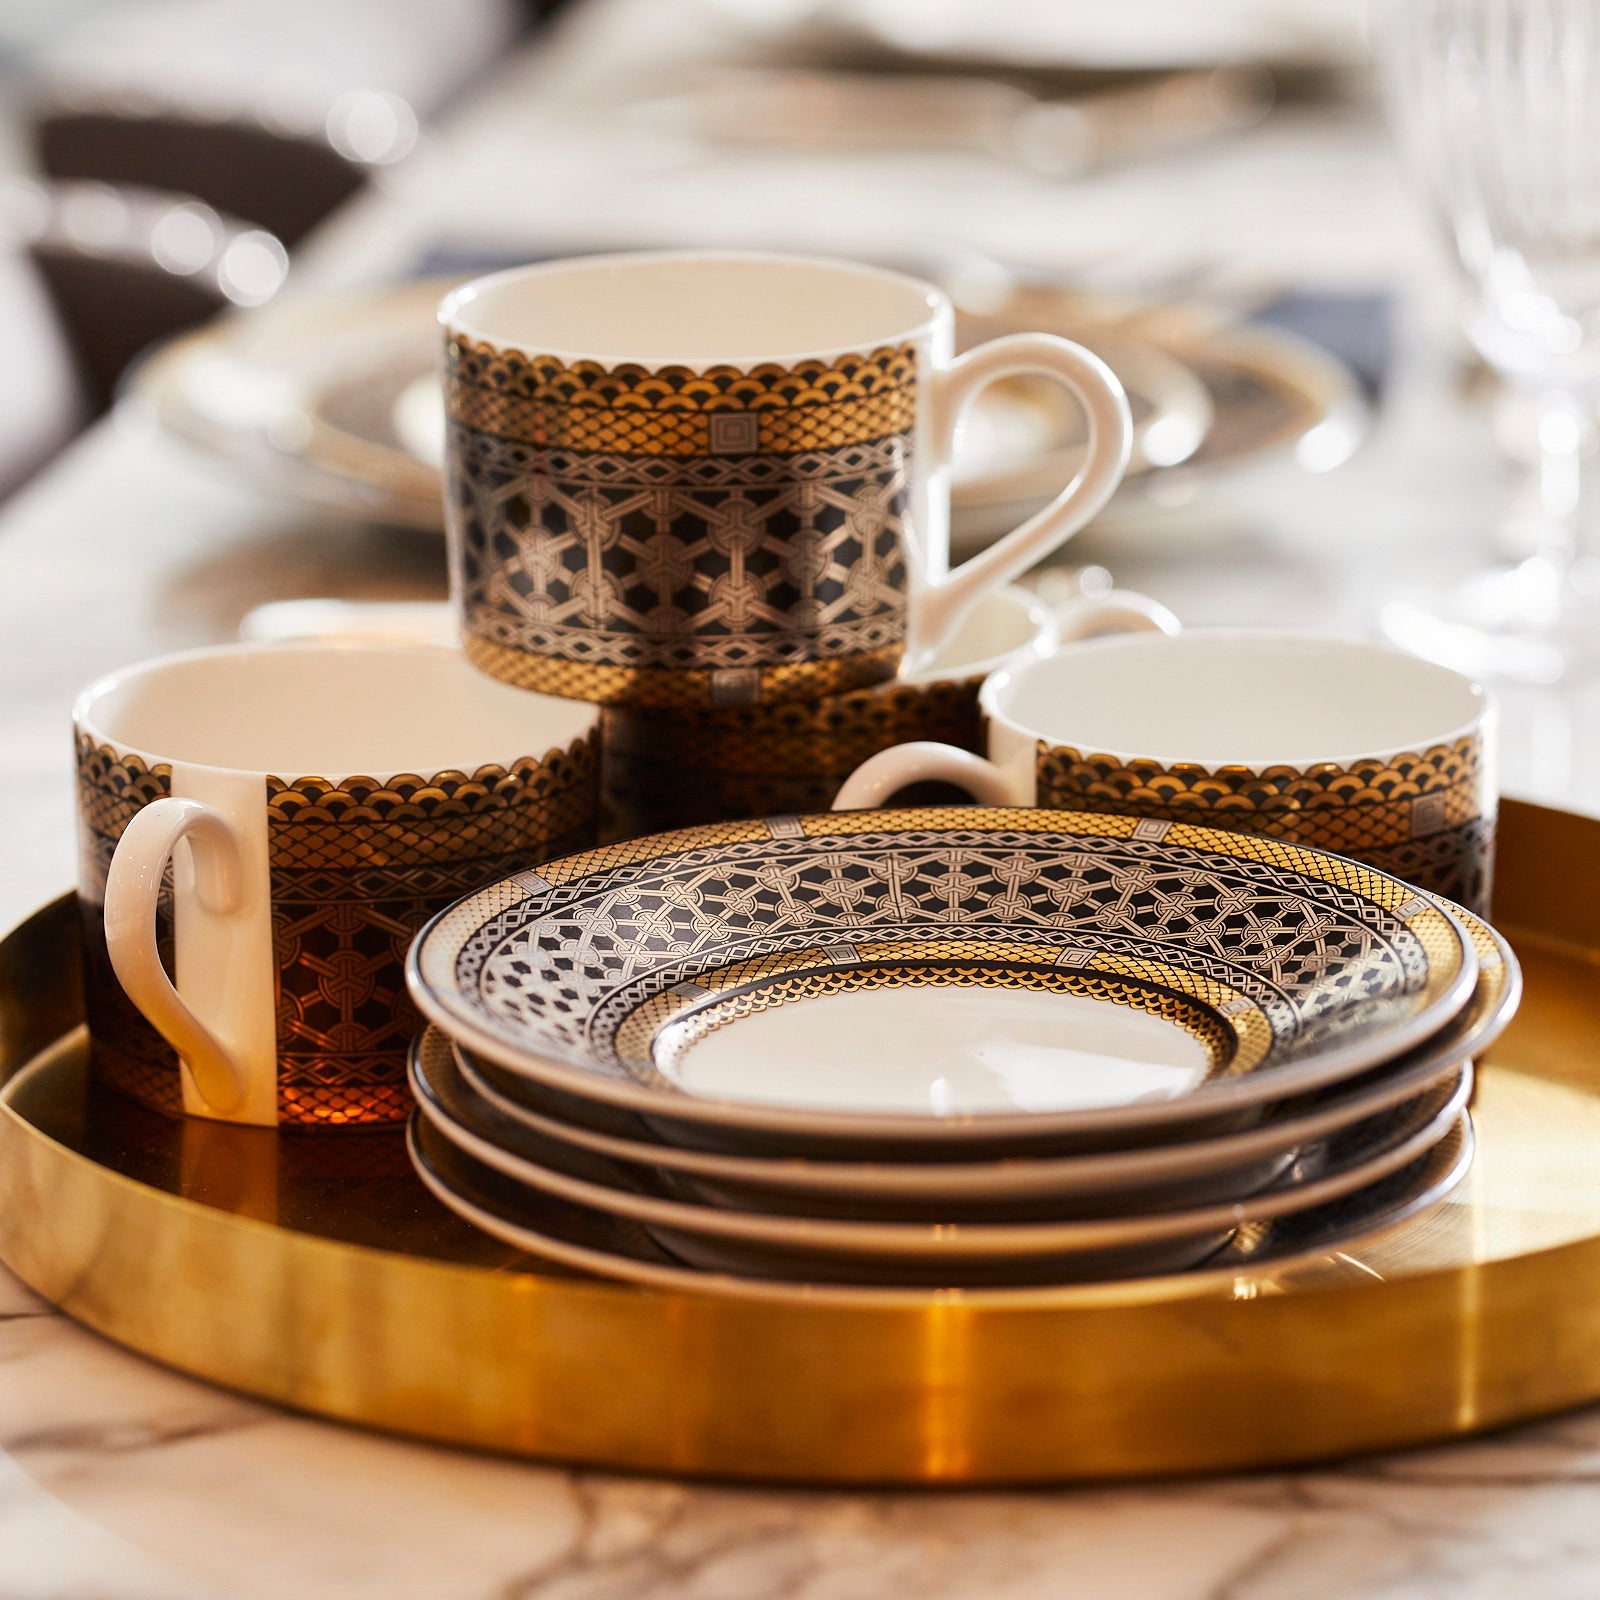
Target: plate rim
column 868, row 1239
column 992, row 1179
column 1012, row 1177
column 437, row 1005
column 613, row 1268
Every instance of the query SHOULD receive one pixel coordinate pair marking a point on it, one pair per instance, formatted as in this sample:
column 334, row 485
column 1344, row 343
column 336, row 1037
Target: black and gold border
column 356, row 868
column 1337, row 946
column 675, row 687
column 1425, row 815
column 629, row 409
column 656, row 1034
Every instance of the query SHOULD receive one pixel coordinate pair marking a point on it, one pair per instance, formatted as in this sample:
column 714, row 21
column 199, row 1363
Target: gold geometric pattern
column 673, row 769
column 614, row 430
column 670, row 537
column 665, row 687
column 1433, row 930
column 635, row 410
column 410, row 820
column 112, row 786
column 1427, row 815
column 356, row 868
column 561, row 960
column 1351, row 876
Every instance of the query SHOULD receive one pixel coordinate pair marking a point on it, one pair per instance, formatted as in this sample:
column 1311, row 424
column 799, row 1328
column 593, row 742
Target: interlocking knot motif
column 564, row 970
column 673, row 537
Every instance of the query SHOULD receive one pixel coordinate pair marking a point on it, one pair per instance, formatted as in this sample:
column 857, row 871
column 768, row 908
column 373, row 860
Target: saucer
column 907, row 975
column 1178, row 1174
column 1191, row 1170
column 943, row 1230
column 614, row 1247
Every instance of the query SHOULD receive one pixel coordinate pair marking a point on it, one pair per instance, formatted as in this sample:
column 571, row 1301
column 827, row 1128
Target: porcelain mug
column 1341, row 744
column 715, row 479
column 282, row 819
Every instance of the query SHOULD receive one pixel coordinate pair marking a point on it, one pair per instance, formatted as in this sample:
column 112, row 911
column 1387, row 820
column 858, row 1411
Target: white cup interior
column 1223, row 696
column 327, row 710
column 693, row 309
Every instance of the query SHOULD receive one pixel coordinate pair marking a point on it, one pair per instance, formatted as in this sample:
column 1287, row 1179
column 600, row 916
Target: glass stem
column 1569, row 486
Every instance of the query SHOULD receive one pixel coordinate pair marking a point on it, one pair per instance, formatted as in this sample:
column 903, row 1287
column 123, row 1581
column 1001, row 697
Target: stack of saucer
column 944, row 1048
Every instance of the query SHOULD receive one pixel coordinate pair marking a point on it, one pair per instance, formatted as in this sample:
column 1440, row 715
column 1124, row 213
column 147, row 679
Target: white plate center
column 935, row 1051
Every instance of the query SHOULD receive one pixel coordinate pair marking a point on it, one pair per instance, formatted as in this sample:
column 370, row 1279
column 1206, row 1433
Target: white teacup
column 720, row 478
column 1336, row 743
column 315, row 805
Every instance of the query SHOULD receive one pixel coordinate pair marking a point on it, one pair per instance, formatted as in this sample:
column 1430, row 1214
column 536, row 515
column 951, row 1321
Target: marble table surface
column 122, row 1481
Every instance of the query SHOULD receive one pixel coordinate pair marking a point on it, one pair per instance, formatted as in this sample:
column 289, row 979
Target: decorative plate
column 943, row 973
column 1187, row 1172
column 1288, row 1181
column 334, row 399
column 299, row 397
column 618, row 1247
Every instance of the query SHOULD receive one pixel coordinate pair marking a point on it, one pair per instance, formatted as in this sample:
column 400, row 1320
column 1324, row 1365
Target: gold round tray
column 314, row 1271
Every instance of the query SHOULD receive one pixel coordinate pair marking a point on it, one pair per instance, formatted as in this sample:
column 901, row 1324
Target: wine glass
column 1496, row 105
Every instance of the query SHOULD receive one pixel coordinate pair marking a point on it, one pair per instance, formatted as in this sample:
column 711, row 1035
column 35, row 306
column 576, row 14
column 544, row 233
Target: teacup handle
column 884, row 775
column 943, row 600
column 133, row 889
column 923, row 761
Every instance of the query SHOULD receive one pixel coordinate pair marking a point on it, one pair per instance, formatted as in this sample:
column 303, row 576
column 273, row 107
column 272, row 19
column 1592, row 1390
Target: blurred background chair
column 124, row 268
column 43, row 399
column 287, row 184
column 185, row 146
column 275, row 111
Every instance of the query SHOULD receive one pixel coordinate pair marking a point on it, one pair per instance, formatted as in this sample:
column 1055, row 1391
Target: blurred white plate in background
column 335, row 401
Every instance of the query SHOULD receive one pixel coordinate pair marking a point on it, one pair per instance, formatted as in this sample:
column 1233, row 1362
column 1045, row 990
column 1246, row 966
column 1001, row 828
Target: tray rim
column 1094, row 1382
column 827, row 1298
